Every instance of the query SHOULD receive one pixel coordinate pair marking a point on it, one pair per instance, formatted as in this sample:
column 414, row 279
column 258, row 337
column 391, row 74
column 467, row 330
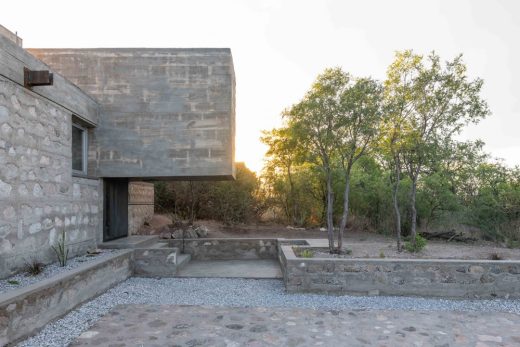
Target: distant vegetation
column 378, row 156
column 238, row 201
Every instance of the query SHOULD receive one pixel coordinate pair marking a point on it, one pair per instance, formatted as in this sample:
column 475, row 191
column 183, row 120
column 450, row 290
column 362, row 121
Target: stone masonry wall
column 140, row 205
column 227, row 249
column 417, row 277
column 38, row 195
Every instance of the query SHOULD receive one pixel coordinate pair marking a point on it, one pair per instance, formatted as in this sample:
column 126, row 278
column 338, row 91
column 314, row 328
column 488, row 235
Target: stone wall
column 23, row 312
column 228, row 249
column 413, row 277
column 140, row 205
column 165, row 113
column 39, row 197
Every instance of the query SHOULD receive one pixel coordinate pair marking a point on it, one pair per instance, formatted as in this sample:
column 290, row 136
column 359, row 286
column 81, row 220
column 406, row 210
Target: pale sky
column 279, row 47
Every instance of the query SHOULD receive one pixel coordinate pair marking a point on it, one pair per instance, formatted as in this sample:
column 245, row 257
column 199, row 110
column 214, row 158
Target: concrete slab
column 134, row 241
column 258, row 268
column 168, row 325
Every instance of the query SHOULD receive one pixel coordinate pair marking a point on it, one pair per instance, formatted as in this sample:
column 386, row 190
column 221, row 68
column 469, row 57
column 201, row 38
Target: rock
column 202, row 231
column 486, row 278
column 476, row 269
column 165, row 235
column 189, row 232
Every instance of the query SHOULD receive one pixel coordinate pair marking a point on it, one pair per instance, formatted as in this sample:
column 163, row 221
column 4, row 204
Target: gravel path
column 238, row 293
column 24, row 279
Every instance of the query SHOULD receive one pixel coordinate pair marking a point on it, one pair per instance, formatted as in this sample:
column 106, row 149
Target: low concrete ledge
column 228, row 249
column 404, row 277
column 25, row 311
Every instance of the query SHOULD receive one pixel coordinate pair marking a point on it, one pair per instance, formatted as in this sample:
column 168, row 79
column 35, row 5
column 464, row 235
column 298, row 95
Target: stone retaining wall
column 23, row 312
column 140, row 205
column 228, row 249
column 415, row 277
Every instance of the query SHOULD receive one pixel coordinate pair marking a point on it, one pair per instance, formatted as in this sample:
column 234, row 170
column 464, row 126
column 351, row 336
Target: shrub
column 306, row 253
column 420, row 243
column 303, row 253
column 13, row 282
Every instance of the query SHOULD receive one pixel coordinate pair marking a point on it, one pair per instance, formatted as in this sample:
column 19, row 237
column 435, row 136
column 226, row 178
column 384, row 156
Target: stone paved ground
column 173, row 325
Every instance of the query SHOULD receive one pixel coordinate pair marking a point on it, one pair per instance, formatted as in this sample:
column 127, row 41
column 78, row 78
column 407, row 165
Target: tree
column 432, row 102
column 360, row 107
column 314, row 121
column 390, row 149
column 283, row 155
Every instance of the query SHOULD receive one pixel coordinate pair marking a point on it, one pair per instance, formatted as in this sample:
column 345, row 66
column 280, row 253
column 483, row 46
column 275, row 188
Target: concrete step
column 134, row 241
column 158, row 245
column 182, row 260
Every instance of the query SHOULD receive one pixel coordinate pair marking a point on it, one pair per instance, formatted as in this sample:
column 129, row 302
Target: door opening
column 115, row 213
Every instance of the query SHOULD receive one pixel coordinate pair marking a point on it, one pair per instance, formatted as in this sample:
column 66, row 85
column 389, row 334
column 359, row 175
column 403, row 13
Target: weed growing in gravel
column 13, row 282
column 34, row 267
column 61, row 249
column 306, row 253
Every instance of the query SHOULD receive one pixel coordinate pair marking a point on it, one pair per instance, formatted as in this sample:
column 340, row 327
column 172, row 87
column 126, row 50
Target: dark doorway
column 115, row 224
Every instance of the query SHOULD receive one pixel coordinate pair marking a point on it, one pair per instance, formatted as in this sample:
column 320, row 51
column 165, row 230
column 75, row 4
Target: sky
column 279, row 47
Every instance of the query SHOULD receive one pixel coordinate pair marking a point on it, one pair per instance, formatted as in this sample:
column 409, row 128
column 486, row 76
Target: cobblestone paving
column 173, row 325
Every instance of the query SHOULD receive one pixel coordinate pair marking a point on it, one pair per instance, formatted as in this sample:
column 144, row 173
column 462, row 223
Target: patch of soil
column 433, row 250
column 362, row 244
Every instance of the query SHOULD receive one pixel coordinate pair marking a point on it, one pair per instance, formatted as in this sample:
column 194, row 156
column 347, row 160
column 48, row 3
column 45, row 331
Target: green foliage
column 13, row 282
column 412, row 174
column 61, row 249
column 306, row 253
column 417, row 246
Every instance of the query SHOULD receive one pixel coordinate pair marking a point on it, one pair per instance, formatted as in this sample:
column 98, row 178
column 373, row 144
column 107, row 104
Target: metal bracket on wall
column 37, row 78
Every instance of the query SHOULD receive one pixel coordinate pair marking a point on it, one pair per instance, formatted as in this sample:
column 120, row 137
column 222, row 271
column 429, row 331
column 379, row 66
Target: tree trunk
column 413, row 230
column 293, row 208
column 330, row 222
column 395, row 192
column 344, row 217
column 192, row 204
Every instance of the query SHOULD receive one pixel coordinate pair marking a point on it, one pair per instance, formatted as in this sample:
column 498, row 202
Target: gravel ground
column 24, row 279
column 237, row 293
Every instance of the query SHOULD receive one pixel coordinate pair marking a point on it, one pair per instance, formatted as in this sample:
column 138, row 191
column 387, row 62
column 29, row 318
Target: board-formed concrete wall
column 166, row 113
column 140, row 205
column 39, row 197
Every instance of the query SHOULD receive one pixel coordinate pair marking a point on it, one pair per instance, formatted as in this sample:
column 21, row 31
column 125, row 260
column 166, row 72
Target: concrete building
column 78, row 155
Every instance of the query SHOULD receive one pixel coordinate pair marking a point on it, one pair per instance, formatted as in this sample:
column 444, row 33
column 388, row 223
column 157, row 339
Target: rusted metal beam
column 37, row 78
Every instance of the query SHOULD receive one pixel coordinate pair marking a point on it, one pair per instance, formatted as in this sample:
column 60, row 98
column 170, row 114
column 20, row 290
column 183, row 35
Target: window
column 79, row 149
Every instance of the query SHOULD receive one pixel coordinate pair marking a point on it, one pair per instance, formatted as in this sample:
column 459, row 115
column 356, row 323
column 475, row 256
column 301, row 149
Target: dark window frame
column 84, row 154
